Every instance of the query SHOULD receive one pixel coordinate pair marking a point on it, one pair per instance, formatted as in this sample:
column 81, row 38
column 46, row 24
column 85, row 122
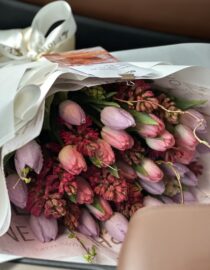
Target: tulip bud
column 166, row 199
column 119, row 139
column 193, row 119
column 150, row 201
column 116, row 226
column 151, row 131
column 185, row 137
column 117, row 118
column 149, row 171
column 104, row 154
column 100, row 209
column 72, row 113
column 188, row 197
column 161, row 143
column 84, row 191
column 180, row 155
column 45, row 229
column 126, row 171
column 87, row 224
column 29, row 155
column 17, row 190
column 153, row 187
column 71, row 160
column 187, row 177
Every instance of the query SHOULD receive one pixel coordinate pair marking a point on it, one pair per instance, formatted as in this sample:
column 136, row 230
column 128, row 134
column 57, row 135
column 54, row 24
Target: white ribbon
column 32, row 42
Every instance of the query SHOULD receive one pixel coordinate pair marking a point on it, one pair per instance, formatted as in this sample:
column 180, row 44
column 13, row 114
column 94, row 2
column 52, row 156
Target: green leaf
column 97, row 205
column 140, row 170
column 96, row 161
column 111, row 94
column 143, row 118
column 73, row 198
column 114, row 171
column 72, row 235
column 187, row 104
column 48, row 103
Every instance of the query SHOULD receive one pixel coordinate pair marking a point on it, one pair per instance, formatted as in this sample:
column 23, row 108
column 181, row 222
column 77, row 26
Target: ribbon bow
column 36, row 40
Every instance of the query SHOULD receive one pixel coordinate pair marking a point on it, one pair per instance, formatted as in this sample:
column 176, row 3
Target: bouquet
column 105, row 152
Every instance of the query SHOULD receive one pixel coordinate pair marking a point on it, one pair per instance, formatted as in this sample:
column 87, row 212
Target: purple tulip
column 29, row 155
column 72, row 113
column 193, row 119
column 150, row 201
column 153, row 188
column 87, row 224
column 166, row 199
column 18, row 191
column 188, row 197
column 117, row 118
column 45, row 229
column 117, row 226
column 187, row 177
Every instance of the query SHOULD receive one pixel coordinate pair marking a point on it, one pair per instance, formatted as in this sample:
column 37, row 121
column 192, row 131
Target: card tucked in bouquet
column 90, row 141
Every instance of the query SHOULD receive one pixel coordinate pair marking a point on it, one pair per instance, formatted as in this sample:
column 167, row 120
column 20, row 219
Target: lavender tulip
column 117, row 226
column 150, row 201
column 18, row 191
column 72, row 113
column 117, row 118
column 29, row 155
column 166, row 199
column 45, row 229
column 187, row 177
column 188, row 197
column 153, row 188
column 87, row 224
column 193, row 119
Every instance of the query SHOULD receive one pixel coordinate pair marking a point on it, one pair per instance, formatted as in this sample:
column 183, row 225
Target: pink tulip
column 84, row 191
column 18, row 191
column 119, row 139
column 104, row 153
column 100, row 208
column 126, row 171
column 185, row 137
column 180, row 154
column 161, row 143
column 150, row 171
column 87, row 224
column 116, row 226
column 193, row 119
column 29, row 155
column 71, row 160
column 72, row 113
column 117, row 118
column 150, row 201
column 45, row 229
column 151, row 131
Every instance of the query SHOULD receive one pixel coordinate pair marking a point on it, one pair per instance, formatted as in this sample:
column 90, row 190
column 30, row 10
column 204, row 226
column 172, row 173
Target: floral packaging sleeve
column 185, row 83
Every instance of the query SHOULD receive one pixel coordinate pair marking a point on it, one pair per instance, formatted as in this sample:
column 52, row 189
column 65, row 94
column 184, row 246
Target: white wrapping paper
column 183, row 81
